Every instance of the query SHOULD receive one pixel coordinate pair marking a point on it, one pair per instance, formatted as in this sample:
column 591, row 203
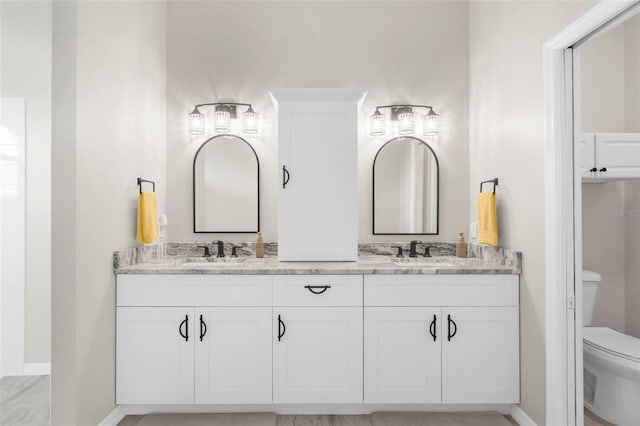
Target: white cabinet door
column 317, row 145
column 402, row 354
column 233, row 356
column 154, row 355
column 587, row 155
column 480, row 355
column 317, row 355
column 618, row 155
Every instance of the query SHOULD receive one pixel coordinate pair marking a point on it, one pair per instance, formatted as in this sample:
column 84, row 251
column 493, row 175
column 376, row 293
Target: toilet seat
column 612, row 342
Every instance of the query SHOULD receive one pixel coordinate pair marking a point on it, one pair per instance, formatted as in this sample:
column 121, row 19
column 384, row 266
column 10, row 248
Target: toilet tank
column 590, row 282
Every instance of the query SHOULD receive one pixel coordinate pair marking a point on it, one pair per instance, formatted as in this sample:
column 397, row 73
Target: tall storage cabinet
column 317, row 148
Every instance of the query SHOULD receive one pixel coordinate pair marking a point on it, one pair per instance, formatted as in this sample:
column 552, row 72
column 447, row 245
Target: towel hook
column 494, row 181
column 140, row 181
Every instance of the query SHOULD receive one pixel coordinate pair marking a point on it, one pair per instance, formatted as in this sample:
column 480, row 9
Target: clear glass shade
column 377, row 124
column 250, row 121
column 196, row 122
column 222, row 121
column 406, row 123
column 431, row 124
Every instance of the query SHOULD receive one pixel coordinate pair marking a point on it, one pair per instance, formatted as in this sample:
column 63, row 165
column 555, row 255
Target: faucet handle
column 426, row 251
column 207, row 253
column 400, row 253
column 220, row 244
column 233, row 251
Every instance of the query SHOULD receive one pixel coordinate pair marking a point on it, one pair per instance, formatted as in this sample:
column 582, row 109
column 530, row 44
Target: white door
column 402, row 354
column 618, row 155
column 480, row 361
column 154, row 355
column 317, row 355
column 587, row 153
column 233, row 355
column 317, row 145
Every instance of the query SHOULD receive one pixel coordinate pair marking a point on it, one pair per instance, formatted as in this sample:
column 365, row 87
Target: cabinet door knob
column 604, row 169
column 281, row 328
column 203, row 328
column 455, row 328
column 595, row 169
column 432, row 327
column 184, row 322
column 312, row 288
column 285, row 176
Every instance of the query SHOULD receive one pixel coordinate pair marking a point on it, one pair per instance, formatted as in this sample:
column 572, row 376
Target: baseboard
column 521, row 417
column 114, row 417
column 36, row 369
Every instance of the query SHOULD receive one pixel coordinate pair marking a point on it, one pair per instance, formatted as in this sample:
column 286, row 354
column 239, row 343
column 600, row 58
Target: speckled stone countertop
column 365, row 265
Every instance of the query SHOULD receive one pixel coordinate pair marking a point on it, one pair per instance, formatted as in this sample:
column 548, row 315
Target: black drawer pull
column 455, row 328
column 604, row 169
column 203, row 328
column 184, row 322
column 285, row 176
column 312, row 288
column 432, row 327
column 281, row 328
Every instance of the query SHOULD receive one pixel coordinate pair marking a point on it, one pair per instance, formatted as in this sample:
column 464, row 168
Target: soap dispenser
column 461, row 246
column 259, row 245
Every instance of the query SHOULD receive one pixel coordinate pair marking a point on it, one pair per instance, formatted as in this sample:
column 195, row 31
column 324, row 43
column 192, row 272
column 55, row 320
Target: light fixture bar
column 224, row 113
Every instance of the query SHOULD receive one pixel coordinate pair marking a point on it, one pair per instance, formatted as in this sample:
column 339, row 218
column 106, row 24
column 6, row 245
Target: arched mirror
column 226, row 182
column 405, row 188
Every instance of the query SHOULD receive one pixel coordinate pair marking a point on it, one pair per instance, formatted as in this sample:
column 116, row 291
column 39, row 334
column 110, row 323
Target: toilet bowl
column 611, row 366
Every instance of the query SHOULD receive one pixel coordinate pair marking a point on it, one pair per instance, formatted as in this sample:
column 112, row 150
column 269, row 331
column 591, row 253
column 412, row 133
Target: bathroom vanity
column 258, row 331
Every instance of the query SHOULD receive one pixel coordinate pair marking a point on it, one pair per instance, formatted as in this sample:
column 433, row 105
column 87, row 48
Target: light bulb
column 431, row 124
column 406, row 122
column 222, row 120
column 377, row 124
column 250, row 121
column 196, row 122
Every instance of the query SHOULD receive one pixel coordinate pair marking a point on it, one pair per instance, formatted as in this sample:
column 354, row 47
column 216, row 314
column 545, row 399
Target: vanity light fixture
column 223, row 113
column 405, row 116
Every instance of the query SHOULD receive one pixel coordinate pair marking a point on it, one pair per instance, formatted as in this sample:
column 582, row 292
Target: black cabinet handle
column 604, row 169
column 203, row 328
column 184, row 322
column 281, row 328
column 285, row 176
column 455, row 328
column 432, row 327
column 312, row 288
column 595, row 169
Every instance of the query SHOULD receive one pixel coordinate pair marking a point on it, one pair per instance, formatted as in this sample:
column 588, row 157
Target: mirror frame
column 373, row 198
column 195, row 158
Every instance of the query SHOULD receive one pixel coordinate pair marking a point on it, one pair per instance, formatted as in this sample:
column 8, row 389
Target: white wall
column 400, row 52
column 113, row 132
column 26, row 73
column 507, row 141
column 632, row 73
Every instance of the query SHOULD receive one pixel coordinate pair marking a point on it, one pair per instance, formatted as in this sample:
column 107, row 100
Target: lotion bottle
column 259, row 246
column 461, row 246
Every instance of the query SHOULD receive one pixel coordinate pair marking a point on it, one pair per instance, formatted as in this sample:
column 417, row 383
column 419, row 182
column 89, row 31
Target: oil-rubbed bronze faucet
column 412, row 248
column 220, row 248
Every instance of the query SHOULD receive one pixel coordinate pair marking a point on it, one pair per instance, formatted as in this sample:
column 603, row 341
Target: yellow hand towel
column 147, row 217
column 487, row 219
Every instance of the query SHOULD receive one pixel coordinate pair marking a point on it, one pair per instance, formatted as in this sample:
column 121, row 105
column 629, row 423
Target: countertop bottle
column 461, row 246
column 259, row 245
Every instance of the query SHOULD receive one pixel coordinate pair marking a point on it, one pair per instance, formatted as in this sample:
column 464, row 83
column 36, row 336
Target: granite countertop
column 365, row 265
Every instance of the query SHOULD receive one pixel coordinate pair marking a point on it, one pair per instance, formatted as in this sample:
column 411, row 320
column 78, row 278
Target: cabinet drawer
column 441, row 290
column 317, row 290
column 193, row 290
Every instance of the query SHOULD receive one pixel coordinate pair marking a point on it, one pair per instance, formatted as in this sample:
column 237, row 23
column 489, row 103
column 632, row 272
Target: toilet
column 611, row 365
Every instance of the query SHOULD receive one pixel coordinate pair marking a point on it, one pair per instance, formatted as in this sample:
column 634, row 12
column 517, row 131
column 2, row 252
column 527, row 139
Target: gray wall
column 109, row 112
column 409, row 52
column 507, row 141
column 25, row 35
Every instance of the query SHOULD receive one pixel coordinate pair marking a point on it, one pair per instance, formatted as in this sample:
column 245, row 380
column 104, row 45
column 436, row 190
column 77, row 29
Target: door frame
column 563, row 214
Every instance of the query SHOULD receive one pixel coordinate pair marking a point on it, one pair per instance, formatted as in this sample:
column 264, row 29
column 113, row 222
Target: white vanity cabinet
column 317, row 149
column 609, row 156
column 441, row 339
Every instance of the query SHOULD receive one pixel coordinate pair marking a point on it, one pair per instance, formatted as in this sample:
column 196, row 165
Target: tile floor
column 24, row 401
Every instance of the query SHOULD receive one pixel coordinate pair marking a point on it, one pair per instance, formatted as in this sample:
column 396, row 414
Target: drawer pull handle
column 604, row 169
column 281, row 328
column 432, row 327
column 455, row 328
column 313, row 288
column 285, row 177
column 184, row 322
column 203, row 328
